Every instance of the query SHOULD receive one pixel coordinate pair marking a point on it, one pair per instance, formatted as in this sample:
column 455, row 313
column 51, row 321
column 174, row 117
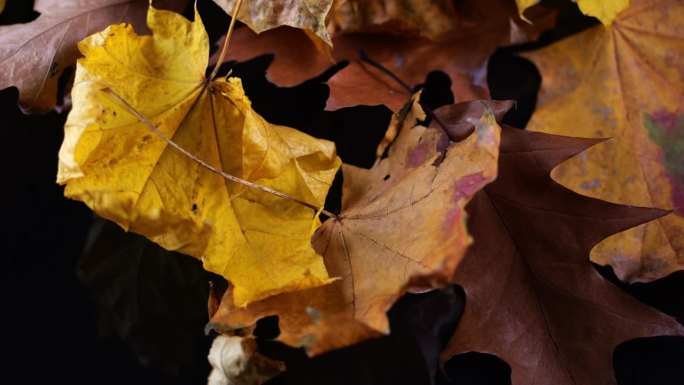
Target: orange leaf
column 625, row 82
column 401, row 228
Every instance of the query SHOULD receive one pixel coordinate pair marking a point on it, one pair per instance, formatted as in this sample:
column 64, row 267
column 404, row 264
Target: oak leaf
column 461, row 53
column 263, row 15
column 401, row 228
column 113, row 161
column 625, row 82
column 34, row 55
column 533, row 297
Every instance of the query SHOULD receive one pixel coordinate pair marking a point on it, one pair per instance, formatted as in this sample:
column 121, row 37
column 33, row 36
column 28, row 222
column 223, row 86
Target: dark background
column 85, row 303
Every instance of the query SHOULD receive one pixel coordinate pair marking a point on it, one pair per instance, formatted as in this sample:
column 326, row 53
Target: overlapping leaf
column 402, row 227
column 604, row 10
column 625, row 82
column 263, row 15
column 534, row 298
column 429, row 18
column 34, row 55
column 114, row 163
column 461, row 53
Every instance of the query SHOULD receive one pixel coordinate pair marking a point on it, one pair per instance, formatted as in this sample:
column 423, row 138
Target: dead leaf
column 236, row 361
column 126, row 173
column 604, row 10
column 462, row 54
column 145, row 294
column 533, row 297
column 35, row 55
column 401, row 228
column 263, row 15
column 2, row 5
column 625, row 82
column 429, row 18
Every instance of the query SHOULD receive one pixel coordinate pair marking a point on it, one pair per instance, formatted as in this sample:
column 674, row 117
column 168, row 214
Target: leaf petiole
column 226, row 42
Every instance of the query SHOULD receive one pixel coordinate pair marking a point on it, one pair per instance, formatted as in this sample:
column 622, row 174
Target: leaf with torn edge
column 402, row 228
column 533, row 297
column 127, row 173
column 263, row 15
column 33, row 56
column 624, row 82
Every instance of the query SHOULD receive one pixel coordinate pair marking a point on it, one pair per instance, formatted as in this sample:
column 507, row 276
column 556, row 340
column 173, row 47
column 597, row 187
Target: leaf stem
column 226, row 42
column 206, row 165
column 364, row 57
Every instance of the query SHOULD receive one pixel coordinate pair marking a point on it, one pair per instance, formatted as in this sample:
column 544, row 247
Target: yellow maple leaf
column 625, row 83
column 125, row 172
column 604, row 10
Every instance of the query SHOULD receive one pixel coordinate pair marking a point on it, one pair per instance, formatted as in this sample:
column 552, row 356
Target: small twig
column 364, row 57
column 206, row 165
column 226, row 42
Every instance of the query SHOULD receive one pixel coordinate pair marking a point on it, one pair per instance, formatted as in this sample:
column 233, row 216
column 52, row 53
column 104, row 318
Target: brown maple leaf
column 533, row 297
column 461, row 53
column 33, row 56
column 401, row 228
column 428, row 18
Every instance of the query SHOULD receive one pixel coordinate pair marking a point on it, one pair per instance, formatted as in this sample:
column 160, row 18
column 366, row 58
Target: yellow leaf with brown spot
column 402, row 227
column 626, row 83
column 126, row 173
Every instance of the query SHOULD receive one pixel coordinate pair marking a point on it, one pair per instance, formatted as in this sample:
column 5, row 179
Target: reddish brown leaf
column 533, row 297
column 462, row 54
column 34, row 55
column 401, row 228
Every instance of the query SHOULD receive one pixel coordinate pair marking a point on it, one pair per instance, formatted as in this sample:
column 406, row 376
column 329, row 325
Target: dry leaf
column 462, row 54
column 115, row 164
column 604, row 10
column 429, row 18
column 625, row 82
column 235, row 361
column 263, row 15
column 401, row 228
column 35, row 55
column 533, row 297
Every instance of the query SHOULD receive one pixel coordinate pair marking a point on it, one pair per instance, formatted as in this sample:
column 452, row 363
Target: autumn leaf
column 429, row 18
column 533, row 297
column 263, row 15
column 462, row 54
column 604, row 10
column 144, row 294
column 625, row 82
column 401, row 228
column 35, row 55
column 119, row 167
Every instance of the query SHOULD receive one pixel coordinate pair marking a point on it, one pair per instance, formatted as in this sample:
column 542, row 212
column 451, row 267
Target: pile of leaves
column 162, row 137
